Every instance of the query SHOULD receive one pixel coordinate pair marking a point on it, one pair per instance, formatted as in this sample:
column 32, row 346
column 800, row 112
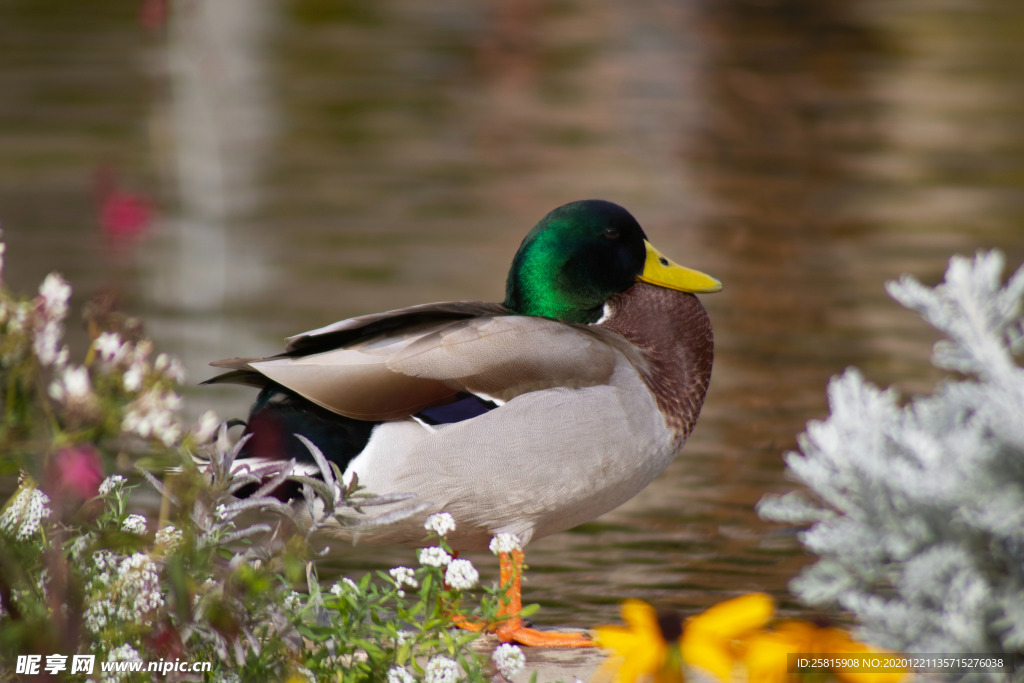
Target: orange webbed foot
column 513, row 631
column 511, row 628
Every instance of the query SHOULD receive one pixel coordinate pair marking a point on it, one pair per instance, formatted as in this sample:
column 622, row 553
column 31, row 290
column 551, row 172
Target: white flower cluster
column 124, row 653
column 441, row 669
column 399, row 674
column 134, row 524
column 110, row 347
column 505, row 543
column 169, row 536
column 73, row 387
column 405, row 636
column 79, row 545
column 23, row 515
column 403, row 576
column 344, row 586
column 293, row 602
column 461, row 575
column 114, row 481
column 54, row 294
column 125, row 589
column 154, row 414
column 434, row 557
column 918, row 505
column 509, row 659
column 134, row 360
column 441, row 523
column 206, row 427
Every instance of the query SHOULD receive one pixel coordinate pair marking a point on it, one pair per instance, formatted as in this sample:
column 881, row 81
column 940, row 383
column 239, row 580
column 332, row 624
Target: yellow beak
column 660, row 271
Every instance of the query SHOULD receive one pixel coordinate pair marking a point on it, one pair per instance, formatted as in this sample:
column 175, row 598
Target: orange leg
column 510, row 628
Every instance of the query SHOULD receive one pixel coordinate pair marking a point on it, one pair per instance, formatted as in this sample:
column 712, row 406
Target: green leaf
column 529, row 610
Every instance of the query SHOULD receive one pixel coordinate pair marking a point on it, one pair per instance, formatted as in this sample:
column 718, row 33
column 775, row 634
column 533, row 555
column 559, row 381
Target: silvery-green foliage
column 917, row 512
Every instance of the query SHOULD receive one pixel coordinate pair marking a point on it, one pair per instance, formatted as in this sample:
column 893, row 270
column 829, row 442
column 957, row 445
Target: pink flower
column 74, row 476
column 124, row 216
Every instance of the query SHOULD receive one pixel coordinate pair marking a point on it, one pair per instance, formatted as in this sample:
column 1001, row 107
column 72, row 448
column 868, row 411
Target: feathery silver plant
column 917, row 512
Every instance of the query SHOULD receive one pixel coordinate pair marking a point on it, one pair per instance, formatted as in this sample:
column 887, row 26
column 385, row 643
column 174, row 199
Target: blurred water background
column 234, row 172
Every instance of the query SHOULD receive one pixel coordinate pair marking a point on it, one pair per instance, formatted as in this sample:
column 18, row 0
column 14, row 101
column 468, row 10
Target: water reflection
column 213, row 125
column 311, row 160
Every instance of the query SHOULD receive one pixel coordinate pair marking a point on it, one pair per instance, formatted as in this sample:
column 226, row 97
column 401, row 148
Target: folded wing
column 406, row 365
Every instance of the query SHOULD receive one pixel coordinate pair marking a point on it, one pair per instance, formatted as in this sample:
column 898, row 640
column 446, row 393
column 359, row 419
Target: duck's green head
column 583, row 253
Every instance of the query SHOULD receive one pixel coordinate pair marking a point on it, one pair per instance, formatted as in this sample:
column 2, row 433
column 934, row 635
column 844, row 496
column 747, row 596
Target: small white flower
column 505, row 543
column 441, row 523
column 110, row 483
column 399, row 674
column 134, row 524
column 79, row 545
column 461, row 575
column 509, row 659
column 133, row 378
column 403, row 576
column 109, row 346
column 169, row 434
column 206, row 427
column 125, row 653
column 96, row 614
column 293, row 602
column 434, row 557
column 345, row 585
column 440, row 669
column 46, row 344
column 105, row 562
column 170, row 367
column 169, row 536
column 154, row 414
column 221, row 512
column 76, row 382
column 19, row 318
column 55, row 292
column 73, row 387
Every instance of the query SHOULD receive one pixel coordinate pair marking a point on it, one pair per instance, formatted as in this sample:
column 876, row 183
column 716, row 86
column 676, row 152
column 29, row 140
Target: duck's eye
column 611, row 233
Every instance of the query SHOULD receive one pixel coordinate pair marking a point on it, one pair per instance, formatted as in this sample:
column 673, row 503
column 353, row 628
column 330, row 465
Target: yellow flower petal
column 733, row 618
column 641, row 616
column 710, row 639
column 708, row 652
column 767, row 658
column 640, row 646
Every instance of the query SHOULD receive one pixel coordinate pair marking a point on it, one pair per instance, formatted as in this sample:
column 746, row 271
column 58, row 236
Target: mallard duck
column 526, row 417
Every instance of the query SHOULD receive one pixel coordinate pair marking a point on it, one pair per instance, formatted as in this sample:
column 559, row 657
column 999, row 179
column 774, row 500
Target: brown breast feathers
column 672, row 331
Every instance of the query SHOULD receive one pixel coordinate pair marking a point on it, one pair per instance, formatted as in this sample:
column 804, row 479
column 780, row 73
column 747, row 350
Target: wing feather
column 506, row 356
column 393, row 367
